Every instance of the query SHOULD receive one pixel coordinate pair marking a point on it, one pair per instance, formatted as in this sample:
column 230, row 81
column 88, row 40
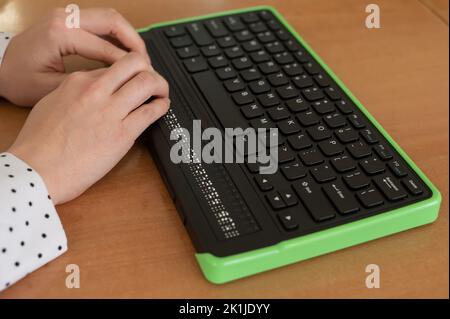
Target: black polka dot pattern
column 31, row 233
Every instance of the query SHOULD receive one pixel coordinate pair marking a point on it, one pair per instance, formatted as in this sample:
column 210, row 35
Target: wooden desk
column 125, row 234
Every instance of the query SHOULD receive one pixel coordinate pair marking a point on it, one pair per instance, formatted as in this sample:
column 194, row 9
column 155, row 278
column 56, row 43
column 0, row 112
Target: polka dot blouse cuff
column 31, row 233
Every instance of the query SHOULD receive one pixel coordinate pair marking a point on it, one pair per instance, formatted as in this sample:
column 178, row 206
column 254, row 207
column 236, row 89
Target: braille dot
column 27, row 223
column 3, row 155
column 13, row 209
column 59, row 247
column 3, row 250
column 7, row 165
column 44, row 235
column 29, row 169
column 30, row 204
column 39, row 255
column 7, row 38
column 11, row 229
column 13, row 190
column 32, row 184
column 11, row 176
column 17, row 264
column 47, row 216
column 48, row 196
column 7, row 284
column 22, row 243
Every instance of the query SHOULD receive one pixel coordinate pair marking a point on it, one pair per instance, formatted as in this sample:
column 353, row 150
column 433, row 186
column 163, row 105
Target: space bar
column 219, row 101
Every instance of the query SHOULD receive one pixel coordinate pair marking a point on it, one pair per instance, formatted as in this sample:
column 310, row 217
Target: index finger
column 102, row 21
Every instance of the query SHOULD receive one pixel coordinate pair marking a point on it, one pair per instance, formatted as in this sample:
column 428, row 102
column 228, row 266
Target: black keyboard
column 334, row 165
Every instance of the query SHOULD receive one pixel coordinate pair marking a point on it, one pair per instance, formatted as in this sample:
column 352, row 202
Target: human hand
column 77, row 133
column 33, row 62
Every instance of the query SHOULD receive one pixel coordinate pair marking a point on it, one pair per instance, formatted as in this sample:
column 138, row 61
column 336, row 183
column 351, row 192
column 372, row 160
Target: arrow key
column 288, row 220
column 263, row 182
column 275, row 200
column 289, row 197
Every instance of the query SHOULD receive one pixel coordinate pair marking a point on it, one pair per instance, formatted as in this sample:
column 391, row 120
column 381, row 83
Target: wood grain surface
column 125, row 234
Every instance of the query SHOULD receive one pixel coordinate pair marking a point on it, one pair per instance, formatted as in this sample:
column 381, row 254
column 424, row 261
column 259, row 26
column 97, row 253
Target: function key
column 390, row 187
column 187, row 52
column 342, row 199
column 265, row 15
column 369, row 136
column 199, row 34
column 288, row 220
column 174, row 31
column 397, row 168
column 383, row 152
column 250, row 17
column 216, row 28
column 179, row 42
column 234, row 23
column 370, row 197
column 356, row 121
column 412, row 186
column 356, row 180
column 274, row 25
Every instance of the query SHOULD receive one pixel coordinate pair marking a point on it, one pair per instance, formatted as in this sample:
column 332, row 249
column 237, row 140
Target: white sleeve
column 5, row 37
column 31, row 233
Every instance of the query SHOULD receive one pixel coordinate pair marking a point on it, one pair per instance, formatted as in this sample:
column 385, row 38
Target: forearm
column 31, row 233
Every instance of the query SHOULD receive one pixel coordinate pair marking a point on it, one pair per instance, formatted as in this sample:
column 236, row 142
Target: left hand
column 33, row 63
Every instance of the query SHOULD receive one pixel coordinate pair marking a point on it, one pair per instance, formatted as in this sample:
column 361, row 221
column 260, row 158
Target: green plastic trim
column 220, row 270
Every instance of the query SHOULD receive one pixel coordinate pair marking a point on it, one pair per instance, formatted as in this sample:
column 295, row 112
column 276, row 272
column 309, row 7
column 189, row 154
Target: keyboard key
column 288, row 220
column 311, row 68
column 273, row 25
column 275, row 200
column 344, row 107
column 369, row 136
column 242, row 63
column 289, row 126
column 195, row 64
column 356, row 121
column 372, row 166
column 322, row 81
column 218, row 62
column 257, row 27
column 285, row 154
column 293, row 171
column 356, row 180
column 262, row 122
column 252, row 46
column 226, row 42
column 323, row 106
column 313, row 94
column 265, row 15
column 211, row 50
column 343, row 163
column 390, row 187
column 268, row 99
column 308, row 118
column 370, row 198
column 323, row 173
column 346, row 135
column 278, row 79
column 382, row 152
column 258, row 87
column 234, row 52
column 179, row 42
column 311, row 157
column 268, row 67
column 265, row 37
column 278, row 113
column 243, row 97
column 299, row 141
column 234, row 24
column 293, row 69
column 259, row 56
column 199, row 34
column 332, row 93
column 331, row 147
column 342, row 199
column 412, row 186
column 397, row 168
column 288, row 197
column 226, row 73
column 292, row 45
column 250, row 17
column 174, row 31
column 216, row 28
column 287, row 92
column 252, row 111
column 263, row 182
column 234, row 85
column 319, row 132
column 243, row 35
column 297, row 105
column 300, row 55
column 334, row 120
column 284, row 58
column 359, row 149
column 314, row 200
column 274, row 47
column 302, row 81
column 188, row 52
column 250, row 74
